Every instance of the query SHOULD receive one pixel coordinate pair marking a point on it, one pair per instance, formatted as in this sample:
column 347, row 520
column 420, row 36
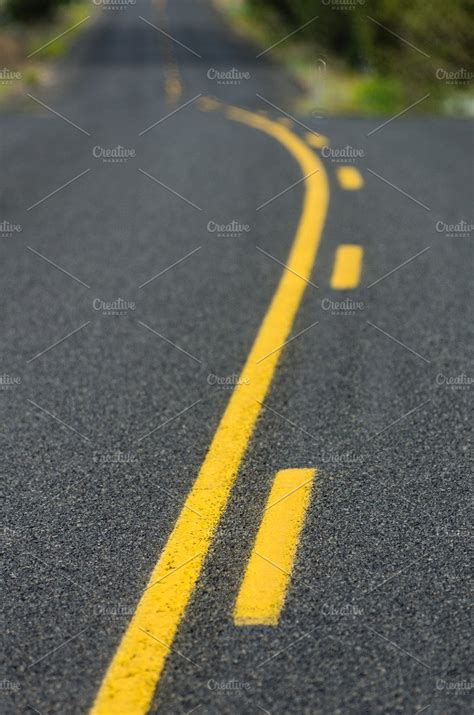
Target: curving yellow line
column 132, row 677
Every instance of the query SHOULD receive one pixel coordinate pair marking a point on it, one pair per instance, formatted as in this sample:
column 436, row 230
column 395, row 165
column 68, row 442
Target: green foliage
column 378, row 95
column 440, row 31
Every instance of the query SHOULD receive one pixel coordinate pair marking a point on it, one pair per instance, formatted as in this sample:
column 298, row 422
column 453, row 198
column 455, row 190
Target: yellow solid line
column 130, row 682
column 347, row 267
column 349, row 178
column 263, row 590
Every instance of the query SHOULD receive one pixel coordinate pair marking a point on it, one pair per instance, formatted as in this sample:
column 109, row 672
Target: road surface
column 149, row 252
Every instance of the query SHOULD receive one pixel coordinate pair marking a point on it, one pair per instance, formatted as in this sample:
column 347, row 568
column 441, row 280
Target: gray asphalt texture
column 377, row 615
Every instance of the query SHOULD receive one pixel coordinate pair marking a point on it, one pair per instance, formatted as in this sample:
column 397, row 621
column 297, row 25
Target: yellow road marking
column 263, row 590
column 129, row 684
column 317, row 140
column 349, row 178
column 173, row 84
column 285, row 121
column 347, row 267
column 208, row 104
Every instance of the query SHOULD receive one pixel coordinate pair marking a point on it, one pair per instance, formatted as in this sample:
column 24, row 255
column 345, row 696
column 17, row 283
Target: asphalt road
column 376, row 618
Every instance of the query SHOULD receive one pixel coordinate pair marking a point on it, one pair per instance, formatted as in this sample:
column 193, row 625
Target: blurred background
column 362, row 57
column 369, row 56
column 31, row 38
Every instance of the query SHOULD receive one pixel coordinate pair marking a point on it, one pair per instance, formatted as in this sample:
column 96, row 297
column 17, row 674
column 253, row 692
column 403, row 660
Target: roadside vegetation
column 366, row 57
column 25, row 27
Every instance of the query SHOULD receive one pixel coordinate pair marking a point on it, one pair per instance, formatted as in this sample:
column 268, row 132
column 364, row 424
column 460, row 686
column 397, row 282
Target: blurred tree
column 441, row 31
column 27, row 10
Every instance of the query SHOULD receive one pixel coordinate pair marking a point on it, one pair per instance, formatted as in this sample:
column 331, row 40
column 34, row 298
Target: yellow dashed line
column 173, row 87
column 173, row 84
column 349, row 178
column 347, row 267
column 318, row 141
column 286, row 121
column 263, row 590
column 130, row 682
column 208, row 104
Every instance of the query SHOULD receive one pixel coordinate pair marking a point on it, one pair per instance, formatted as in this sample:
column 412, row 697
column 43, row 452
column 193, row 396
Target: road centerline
column 130, row 682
